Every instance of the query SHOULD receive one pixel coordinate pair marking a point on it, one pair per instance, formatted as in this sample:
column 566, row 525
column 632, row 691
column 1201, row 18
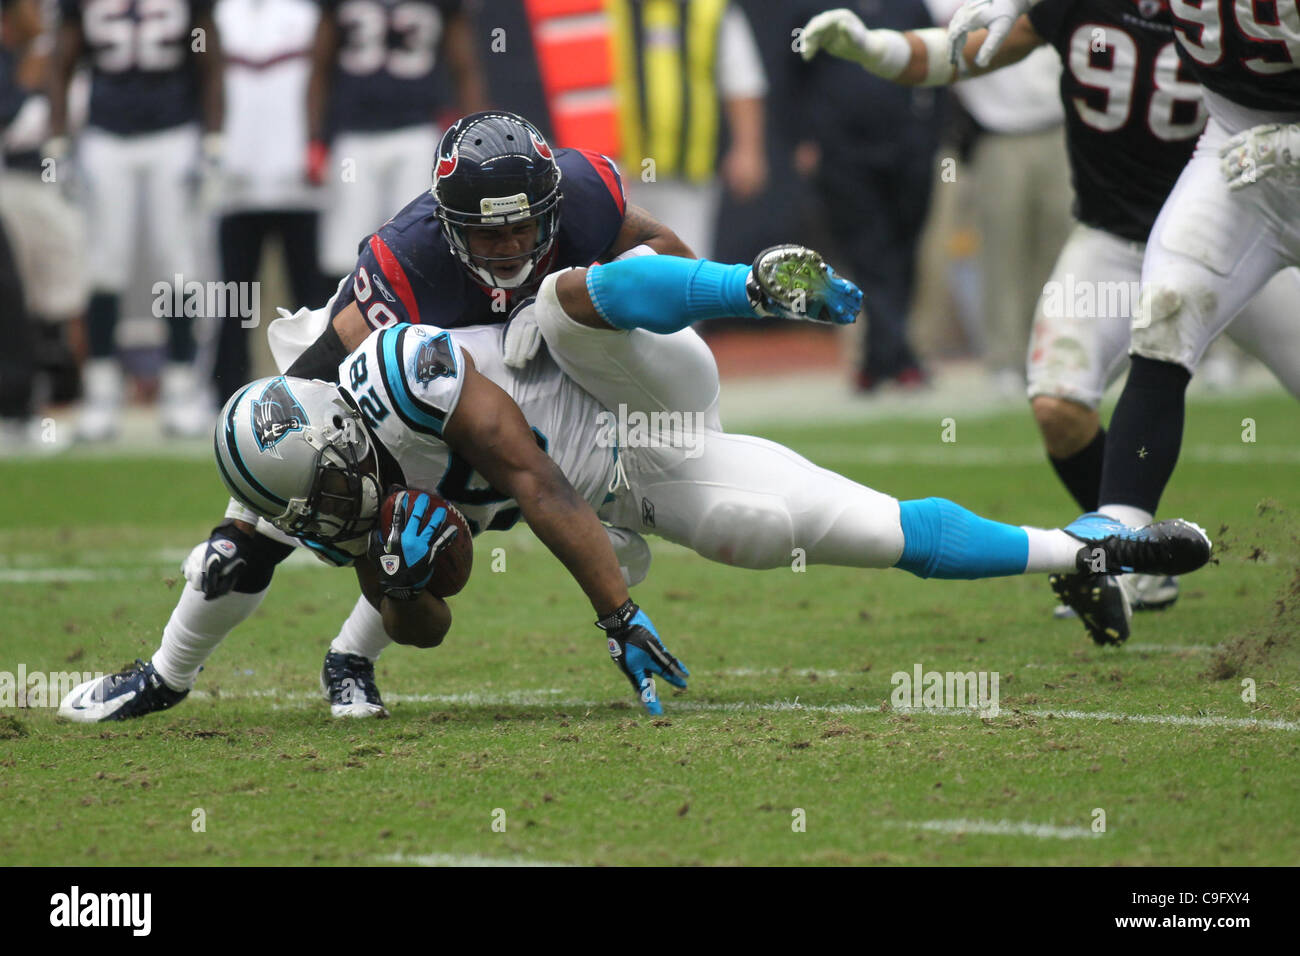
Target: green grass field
column 520, row 719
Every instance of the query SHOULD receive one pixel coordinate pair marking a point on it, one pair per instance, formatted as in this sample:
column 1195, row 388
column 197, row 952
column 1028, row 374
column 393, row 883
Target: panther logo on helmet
column 276, row 413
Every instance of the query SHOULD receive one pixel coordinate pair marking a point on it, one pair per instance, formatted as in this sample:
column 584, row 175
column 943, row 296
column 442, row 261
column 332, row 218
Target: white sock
column 195, row 629
column 1133, row 517
column 1051, row 550
column 362, row 633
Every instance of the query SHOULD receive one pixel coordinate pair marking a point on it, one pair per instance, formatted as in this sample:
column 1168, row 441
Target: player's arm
column 210, row 66
column 67, row 51
column 458, row 48
column 324, row 50
column 421, row 622
column 489, row 431
column 642, row 229
column 914, row 58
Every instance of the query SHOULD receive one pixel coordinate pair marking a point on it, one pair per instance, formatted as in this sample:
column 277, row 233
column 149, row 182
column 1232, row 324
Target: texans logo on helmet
column 447, row 164
column 435, row 359
column 276, row 413
column 540, row 145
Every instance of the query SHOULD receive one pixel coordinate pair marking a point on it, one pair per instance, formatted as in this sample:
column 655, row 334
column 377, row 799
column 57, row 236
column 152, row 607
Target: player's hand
column 318, row 155
column 636, row 650
column 523, row 337
column 840, row 33
column 1260, row 152
column 406, row 557
column 213, row 567
column 999, row 16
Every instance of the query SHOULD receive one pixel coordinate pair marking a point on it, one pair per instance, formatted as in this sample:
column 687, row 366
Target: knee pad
column 1157, row 322
column 260, row 554
column 746, row 530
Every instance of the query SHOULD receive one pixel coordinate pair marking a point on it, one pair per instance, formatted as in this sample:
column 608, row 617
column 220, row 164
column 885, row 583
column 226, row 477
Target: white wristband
column 938, row 72
column 237, row 512
column 886, row 54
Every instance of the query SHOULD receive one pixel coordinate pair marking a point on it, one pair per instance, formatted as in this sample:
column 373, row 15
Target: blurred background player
column 689, row 79
column 265, row 194
column 152, row 134
column 373, row 99
column 1125, row 154
column 869, row 146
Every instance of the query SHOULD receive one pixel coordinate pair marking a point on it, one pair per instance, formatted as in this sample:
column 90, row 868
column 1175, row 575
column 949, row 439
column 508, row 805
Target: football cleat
column 1098, row 601
column 1173, row 546
column 1146, row 592
column 348, row 683
column 793, row 282
column 1150, row 592
column 130, row 693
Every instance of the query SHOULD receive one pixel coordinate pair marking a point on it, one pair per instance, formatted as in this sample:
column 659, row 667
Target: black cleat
column 1099, row 602
column 348, row 683
column 131, row 693
column 1173, row 546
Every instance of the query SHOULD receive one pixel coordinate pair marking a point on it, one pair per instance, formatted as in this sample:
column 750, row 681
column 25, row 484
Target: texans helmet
column 296, row 452
column 495, row 169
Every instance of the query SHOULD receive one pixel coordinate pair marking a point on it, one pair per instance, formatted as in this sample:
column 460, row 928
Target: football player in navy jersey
column 153, row 129
column 1230, row 224
column 371, row 108
column 1132, row 117
column 515, row 212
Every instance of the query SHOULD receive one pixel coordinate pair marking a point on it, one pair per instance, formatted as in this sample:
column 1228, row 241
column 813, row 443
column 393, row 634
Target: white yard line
column 549, row 697
column 1042, row 831
column 462, row 859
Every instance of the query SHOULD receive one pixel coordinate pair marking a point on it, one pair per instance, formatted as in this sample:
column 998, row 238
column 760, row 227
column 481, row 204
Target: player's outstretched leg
column 665, row 294
column 227, row 577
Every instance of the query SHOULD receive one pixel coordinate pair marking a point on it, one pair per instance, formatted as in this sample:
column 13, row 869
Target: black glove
column 214, row 566
column 407, row 555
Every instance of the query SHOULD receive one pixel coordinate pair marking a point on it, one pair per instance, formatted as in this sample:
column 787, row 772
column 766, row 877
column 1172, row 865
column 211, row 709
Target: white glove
column 840, row 33
column 523, row 339
column 998, row 15
column 1271, row 149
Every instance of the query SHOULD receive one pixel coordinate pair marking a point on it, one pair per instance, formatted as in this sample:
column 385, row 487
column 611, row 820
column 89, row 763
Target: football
column 452, row 567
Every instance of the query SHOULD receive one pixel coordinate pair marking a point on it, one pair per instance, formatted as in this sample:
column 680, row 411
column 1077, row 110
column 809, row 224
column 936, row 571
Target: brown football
column 452, row 567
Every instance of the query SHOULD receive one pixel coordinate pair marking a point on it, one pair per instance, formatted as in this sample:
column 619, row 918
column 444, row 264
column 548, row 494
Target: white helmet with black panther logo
column 296, row 452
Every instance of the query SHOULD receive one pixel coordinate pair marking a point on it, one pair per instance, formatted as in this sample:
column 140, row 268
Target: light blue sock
column 666, row 293
column 944, row 540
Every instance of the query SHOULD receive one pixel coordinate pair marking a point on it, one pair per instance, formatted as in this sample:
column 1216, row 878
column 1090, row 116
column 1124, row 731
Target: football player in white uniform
column 421, row 406
column 1132, row 119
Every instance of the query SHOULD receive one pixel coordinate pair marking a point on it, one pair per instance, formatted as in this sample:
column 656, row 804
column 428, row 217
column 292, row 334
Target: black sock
column 101, row 324
column 1081, row 472
column 1146, row 433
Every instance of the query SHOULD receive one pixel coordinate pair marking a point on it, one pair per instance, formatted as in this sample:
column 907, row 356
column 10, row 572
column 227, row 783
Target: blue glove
column 406, row 557
column 635, row 648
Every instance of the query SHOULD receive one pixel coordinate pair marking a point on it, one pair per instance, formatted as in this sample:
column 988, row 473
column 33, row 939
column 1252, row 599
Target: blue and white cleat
column 1173, row 546
column 130, row 693
column 348, row 683
column 1099, row 602
column 794, row 282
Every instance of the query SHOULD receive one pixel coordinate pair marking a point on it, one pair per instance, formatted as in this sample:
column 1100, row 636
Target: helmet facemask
column 342, row 502
column 504, row 212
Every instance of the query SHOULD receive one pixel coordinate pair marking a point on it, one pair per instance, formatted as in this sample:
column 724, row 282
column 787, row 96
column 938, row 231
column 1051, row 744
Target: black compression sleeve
column 322, row 358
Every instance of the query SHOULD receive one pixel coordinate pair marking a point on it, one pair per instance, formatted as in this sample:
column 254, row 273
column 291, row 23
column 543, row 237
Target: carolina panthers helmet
column 296, row 452
column 495, row 168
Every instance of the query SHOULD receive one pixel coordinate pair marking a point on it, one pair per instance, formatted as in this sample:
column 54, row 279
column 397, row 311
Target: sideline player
column 155, row 82
column 442, row 409
column 505, row 210
column 1132, row 121
column 372, row 98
